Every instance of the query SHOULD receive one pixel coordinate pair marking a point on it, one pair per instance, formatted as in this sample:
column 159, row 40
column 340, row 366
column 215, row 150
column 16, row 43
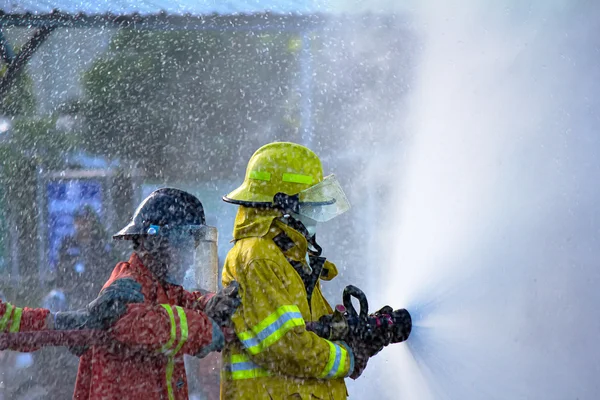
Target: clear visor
column 206, row 269
column 192, row 252
column 191, row 235
column 323, row 201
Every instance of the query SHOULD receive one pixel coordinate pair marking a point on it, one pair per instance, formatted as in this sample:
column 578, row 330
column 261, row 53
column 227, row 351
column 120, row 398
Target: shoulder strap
column 284, row 243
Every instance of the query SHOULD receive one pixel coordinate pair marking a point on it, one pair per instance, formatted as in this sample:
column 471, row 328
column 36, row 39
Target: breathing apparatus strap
column 289, row 205
column 284, row 243
column 312, row 240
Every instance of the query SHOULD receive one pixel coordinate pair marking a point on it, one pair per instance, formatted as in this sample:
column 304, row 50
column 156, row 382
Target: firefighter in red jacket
column 153, row 320
column 147, row 363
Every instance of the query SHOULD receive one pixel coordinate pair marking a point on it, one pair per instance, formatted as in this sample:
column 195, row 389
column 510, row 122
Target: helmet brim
column 246, row 196
column 128, row 233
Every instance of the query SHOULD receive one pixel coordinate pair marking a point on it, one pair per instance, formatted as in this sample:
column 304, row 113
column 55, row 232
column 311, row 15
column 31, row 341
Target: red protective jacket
column 147, row 363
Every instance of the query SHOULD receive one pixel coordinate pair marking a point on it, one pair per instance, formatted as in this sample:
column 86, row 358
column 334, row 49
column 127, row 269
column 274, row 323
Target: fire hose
column 71, row 338
column 386, row 326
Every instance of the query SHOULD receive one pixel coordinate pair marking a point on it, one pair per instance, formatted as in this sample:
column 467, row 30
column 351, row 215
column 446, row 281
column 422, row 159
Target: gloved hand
column 367, row 337
column 220, row 306
column 367, row 340
column 383, row 330
column 361, row 356
column 105, row 310
column 216, row 344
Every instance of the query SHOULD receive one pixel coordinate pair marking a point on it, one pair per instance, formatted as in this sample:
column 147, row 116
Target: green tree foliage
column 163, row 99
column 30, row 145
column 19, row 100
column 37, row 141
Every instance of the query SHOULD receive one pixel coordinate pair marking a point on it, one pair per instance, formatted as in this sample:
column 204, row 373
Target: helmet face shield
column 323, row 201
column 189, row 249
column 205, row 273
column 179, row 253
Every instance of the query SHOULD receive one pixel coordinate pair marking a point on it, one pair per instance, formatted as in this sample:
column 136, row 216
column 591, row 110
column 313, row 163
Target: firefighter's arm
column 168, row 329
column 16, row 319
column 105, row 310
column 272, row 330
column 219, row 306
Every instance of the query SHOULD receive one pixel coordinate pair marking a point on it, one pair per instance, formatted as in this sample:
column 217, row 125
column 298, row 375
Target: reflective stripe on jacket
column 17, row 319
column 11, row 318
column 276, row 357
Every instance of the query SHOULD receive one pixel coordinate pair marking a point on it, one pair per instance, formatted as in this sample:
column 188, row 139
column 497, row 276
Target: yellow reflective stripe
column 242, row 367
column 337, row 362
column 274, row 337
column 250, row 374
column 297, row 178
column 239, row 358
column 330, row 362
column 271, row 329
column 270, row 319
column 182, row 339
column 260, row 175
column 16, row 320
column 170, row 368
column 184, row 329
column 6, row 317
column 168, row 345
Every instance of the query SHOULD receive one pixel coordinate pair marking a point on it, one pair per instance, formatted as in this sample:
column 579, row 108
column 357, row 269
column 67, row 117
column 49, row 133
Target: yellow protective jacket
column 276, row 357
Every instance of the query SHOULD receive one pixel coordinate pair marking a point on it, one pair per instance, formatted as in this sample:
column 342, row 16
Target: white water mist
column 495, row 241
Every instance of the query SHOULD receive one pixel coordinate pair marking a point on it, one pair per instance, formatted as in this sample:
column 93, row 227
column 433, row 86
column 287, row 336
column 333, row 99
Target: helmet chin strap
column 295, row 224
column 290, row 205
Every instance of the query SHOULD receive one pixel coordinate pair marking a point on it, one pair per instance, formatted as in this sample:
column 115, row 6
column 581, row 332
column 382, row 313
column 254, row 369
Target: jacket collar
column 254, row 222
column 136, row 263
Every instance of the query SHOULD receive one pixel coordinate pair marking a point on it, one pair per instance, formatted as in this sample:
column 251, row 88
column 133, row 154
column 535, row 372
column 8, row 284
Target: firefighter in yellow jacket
column 277, row 262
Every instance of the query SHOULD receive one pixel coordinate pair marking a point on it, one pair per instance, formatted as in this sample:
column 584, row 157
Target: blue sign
column 64, row 198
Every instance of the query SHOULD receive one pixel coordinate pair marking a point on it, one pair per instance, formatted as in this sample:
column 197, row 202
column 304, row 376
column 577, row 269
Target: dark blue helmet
column 163, row 210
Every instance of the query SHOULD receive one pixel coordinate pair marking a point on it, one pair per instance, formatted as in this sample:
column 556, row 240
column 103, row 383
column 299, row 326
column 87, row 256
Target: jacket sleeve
column 171, row 330
column 16, row 319
column 272, row 330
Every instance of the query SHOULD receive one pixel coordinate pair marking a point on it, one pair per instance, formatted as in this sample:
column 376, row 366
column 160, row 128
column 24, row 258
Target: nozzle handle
column 352, row 291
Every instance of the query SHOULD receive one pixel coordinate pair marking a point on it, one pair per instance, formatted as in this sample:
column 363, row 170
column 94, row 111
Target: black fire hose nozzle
column 402, row 323
column 386, row 325
column 400, row 320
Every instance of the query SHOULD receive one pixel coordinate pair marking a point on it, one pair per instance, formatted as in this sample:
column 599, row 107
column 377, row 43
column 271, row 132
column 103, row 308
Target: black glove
column 368, row 337
column 366, row 340
column 361, row 356
column 221, row 306
column 105, row 310
column 112, row 303
column 382, row 330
